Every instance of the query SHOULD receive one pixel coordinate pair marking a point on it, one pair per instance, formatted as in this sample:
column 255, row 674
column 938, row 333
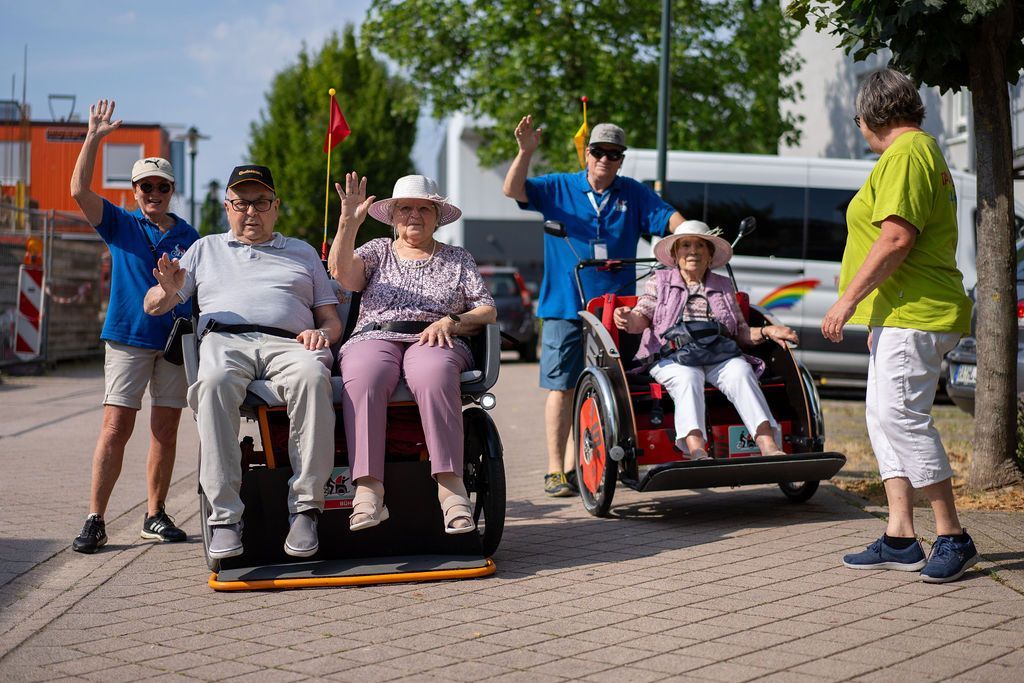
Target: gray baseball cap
column 609, row 134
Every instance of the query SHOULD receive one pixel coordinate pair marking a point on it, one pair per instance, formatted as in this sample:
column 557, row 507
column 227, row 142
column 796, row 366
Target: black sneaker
column 160, row 527
column 93, row 536
column 570, row 479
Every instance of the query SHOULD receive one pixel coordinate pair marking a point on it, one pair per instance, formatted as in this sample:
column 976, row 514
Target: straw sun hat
column 723, row 250
column 415, row 187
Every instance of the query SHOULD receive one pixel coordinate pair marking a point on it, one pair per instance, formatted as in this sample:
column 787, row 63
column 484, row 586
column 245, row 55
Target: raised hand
column 354, row 202
column 527, row 137
column 169, row 275
column 100, row 114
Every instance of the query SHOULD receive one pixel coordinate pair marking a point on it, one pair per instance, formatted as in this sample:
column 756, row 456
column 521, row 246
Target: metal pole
column 192, row 179
column 666, row 30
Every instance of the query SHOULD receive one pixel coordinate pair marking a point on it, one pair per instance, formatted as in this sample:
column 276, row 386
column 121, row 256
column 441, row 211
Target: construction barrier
column 28, row 332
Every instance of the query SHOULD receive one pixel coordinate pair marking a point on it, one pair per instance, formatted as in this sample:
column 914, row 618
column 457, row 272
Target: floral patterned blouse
column 427, row 289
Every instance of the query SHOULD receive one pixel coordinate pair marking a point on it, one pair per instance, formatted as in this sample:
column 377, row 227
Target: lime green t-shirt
column 926, row 292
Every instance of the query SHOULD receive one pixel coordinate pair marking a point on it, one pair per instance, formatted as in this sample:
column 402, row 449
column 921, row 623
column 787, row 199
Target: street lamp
column 193, row 136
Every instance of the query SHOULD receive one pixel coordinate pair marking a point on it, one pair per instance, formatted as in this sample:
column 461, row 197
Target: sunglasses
column 242, row 205
column 162, row 188
column 856, row 121
column 599, row 153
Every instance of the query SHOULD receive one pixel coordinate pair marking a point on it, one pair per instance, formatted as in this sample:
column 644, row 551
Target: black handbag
column 173, row 352
column 698, row 343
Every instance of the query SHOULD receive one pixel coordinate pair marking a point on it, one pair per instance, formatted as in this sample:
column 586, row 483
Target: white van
column 790, row 264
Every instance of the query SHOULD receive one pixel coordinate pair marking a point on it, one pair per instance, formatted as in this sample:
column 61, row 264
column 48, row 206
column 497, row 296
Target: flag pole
column 327, row 188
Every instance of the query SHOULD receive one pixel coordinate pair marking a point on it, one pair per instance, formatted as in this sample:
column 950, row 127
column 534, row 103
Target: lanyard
column 599, row 209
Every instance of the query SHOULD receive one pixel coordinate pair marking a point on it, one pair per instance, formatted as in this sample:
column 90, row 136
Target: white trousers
column 735, row 378
column 903, row 373
column 302, row 378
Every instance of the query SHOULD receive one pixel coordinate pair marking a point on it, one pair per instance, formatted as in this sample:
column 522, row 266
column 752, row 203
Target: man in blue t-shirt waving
column 134, row 341
column 604, row 216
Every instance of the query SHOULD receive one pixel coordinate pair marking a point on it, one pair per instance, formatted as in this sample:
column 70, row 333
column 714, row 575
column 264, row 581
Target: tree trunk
column 992, row 464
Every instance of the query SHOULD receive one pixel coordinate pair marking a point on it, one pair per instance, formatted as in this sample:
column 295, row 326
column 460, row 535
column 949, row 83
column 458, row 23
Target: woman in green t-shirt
column 899, row 277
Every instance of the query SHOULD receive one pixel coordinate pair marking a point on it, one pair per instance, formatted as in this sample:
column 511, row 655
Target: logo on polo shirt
column 177, row 252
column 620, row 206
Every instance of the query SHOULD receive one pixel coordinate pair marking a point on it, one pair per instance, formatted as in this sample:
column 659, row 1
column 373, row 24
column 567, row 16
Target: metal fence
column 75, row 284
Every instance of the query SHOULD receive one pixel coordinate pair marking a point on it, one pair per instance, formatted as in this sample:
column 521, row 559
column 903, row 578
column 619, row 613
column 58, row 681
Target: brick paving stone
column 318, row 667
column 730, row 672
column 672, row 663
column 633, row 675
column 376, row 673
column 520, row 658
column 835, row 669
column 773, row 658
column 470, row 671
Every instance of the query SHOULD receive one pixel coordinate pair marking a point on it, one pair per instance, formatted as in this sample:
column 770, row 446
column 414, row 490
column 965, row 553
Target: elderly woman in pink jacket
column 687, row 301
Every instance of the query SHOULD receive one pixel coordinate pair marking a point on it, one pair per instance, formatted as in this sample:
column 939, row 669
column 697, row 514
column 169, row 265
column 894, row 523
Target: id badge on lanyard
column 598, row 246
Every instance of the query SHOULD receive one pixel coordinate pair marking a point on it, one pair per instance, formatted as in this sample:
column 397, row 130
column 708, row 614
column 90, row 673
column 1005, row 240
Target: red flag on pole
column 338, row 128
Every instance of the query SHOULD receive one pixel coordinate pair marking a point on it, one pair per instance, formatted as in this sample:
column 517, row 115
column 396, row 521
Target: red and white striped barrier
column 28, row 324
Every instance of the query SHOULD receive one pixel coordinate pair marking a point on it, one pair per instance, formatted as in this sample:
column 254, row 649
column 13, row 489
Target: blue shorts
column 561, row 353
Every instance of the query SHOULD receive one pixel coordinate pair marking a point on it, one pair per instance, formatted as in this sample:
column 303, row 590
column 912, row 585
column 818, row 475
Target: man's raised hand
column 169, row 275
column 526, row 135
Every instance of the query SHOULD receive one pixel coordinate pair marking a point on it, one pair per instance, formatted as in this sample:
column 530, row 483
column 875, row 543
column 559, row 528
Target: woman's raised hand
column 354, row 202
column 100, row 114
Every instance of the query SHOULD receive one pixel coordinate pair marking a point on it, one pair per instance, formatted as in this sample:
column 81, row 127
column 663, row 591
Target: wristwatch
column 454, row 318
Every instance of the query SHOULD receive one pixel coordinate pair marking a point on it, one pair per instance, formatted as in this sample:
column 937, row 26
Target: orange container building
column 52, row 150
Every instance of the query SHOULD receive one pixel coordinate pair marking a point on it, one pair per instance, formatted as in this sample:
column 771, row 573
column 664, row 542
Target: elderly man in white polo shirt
column 267, row 311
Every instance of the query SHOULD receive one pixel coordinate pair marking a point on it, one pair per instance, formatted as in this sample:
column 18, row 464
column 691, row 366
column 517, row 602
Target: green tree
column 381, row 111
column 211, row 214
column 977, row 44
column 501, row 59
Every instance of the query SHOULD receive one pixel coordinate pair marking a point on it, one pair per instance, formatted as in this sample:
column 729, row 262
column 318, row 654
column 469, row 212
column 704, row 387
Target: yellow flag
column 580, row 139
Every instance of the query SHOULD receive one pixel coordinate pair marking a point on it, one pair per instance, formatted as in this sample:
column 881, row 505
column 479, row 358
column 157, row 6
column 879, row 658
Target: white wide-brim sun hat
column 723, row 250
column 415, row 187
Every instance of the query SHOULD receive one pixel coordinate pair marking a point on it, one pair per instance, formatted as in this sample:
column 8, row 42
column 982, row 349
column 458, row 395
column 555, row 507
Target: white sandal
column 372, row 507
column 457, row 507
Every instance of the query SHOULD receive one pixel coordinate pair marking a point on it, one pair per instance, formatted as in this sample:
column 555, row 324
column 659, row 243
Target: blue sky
column 207, row 64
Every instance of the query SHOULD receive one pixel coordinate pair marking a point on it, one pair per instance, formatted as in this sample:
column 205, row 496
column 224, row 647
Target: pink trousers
column 370, row 370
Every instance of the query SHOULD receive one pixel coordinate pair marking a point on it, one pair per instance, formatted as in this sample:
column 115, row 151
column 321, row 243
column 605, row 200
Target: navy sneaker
column 950, row 558
column 880, row 555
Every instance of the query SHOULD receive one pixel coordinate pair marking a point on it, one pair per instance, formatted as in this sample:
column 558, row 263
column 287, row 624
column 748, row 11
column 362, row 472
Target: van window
column 826, row 223
column 779, row 212
column 686, row 198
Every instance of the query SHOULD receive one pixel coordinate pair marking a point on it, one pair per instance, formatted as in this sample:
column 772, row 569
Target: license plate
column 965, row 374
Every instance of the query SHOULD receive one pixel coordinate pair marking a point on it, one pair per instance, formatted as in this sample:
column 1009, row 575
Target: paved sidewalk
column 723, row 585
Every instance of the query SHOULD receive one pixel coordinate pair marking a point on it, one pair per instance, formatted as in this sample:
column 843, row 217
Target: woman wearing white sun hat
column 418, row 297
column 688, row 291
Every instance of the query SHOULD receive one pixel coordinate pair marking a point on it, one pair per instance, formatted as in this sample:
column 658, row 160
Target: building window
column 117, row 164
column 10, row 162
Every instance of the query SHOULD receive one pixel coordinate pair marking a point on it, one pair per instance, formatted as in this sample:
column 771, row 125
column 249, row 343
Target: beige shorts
column 128, row 369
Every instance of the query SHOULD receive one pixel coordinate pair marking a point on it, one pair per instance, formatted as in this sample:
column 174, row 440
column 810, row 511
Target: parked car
column 515, row 310
column 962, row 372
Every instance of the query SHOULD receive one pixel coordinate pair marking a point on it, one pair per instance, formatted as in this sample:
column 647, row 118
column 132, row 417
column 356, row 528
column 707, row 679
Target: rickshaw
column 622, row 418
column 411, row 545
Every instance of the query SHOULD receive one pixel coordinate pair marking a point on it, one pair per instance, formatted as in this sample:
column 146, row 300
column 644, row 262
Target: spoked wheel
column 484, row 477
column 596, row 471
column 799, row 492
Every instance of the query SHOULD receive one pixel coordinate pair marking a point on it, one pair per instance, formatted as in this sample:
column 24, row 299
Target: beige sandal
column 367, row 503
column 455, row 508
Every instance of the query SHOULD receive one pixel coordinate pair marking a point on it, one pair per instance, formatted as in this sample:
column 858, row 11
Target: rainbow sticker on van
column 788, row 294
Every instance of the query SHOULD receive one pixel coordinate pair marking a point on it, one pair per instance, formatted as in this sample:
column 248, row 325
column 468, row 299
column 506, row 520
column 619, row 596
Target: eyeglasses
column 162, row 188
column 856, row 121
column 599, row 153
column 242, row 205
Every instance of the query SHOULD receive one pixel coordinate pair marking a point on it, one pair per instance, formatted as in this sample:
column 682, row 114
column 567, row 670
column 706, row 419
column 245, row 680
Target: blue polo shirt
column 129, row 235
column 618, row 217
